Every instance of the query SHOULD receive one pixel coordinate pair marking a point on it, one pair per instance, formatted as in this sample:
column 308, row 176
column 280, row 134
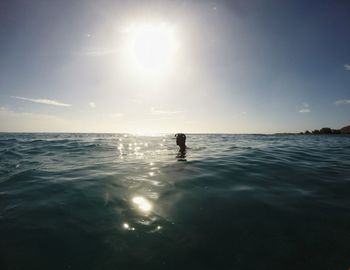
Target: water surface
column 119, row 201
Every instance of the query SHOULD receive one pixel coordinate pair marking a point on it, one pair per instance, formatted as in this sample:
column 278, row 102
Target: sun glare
column 142, row 204
column 152, row 46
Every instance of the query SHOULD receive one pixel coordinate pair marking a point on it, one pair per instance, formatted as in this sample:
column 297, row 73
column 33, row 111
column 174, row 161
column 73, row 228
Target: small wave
column 77, row 191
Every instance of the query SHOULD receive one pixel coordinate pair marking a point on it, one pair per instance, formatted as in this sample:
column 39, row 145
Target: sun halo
column 152, row 47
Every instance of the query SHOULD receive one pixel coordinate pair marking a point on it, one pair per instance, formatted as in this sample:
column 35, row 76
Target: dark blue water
column 99, row 201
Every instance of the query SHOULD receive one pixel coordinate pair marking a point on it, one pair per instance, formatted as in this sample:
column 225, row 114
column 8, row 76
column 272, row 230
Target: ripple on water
column 233, row 202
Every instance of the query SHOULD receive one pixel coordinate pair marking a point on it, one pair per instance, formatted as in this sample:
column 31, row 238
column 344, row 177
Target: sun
column 152, row 46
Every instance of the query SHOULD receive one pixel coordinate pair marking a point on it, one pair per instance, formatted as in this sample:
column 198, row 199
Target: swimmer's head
column 180, row 139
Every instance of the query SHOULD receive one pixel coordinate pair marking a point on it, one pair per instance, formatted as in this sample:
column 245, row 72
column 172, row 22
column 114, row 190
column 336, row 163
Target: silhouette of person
column 181, row 142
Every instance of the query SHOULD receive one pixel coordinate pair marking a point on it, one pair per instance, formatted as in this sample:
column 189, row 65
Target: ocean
column 122, row 201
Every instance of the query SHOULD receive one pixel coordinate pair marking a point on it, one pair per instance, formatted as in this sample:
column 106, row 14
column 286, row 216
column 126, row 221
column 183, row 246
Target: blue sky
column 238, row 66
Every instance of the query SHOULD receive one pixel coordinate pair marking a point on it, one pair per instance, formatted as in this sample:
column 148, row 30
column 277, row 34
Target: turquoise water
column 114, row 201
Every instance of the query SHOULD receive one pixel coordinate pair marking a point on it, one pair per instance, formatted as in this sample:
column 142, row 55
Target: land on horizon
column 324, row 131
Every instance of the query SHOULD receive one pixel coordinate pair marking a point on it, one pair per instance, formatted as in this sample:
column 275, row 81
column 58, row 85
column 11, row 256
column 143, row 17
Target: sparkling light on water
column 142, row 204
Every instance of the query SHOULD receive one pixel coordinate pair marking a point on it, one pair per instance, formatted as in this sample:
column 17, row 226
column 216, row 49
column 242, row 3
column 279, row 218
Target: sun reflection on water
column 142, row 204
column 126, row 226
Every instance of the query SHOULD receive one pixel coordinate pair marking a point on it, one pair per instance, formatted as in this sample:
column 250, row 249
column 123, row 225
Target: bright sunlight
column 152, row 47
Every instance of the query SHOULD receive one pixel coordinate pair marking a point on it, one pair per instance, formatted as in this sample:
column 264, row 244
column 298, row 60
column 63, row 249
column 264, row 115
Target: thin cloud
column 305, row 108
column 155, row 111
column 92, row 104
column 347, row 67
column 342, row 102
column 44, row 101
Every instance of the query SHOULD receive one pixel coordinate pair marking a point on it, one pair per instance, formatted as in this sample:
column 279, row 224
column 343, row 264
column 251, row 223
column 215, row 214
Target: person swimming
column 181, row 141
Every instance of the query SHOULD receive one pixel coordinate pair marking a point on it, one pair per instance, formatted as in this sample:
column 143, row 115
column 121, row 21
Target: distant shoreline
column 323, row 131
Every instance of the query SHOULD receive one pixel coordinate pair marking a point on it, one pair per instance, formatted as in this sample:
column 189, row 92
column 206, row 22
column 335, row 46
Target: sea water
column 121, row 201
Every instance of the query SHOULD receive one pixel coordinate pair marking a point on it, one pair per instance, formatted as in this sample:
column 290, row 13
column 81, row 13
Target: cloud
column 305, row 108
column 155, row 111
column 44, row 101
column 342, row 102
column 92, row 104
column 347, row 67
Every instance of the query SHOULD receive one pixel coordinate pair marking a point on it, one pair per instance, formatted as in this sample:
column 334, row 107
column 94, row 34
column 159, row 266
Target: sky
column 239, row 66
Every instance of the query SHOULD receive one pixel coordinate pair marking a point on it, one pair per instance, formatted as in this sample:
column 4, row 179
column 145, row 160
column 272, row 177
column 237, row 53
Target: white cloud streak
column 305, row 108
column 347, row 67
column 342, row 102
column 44, row 101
